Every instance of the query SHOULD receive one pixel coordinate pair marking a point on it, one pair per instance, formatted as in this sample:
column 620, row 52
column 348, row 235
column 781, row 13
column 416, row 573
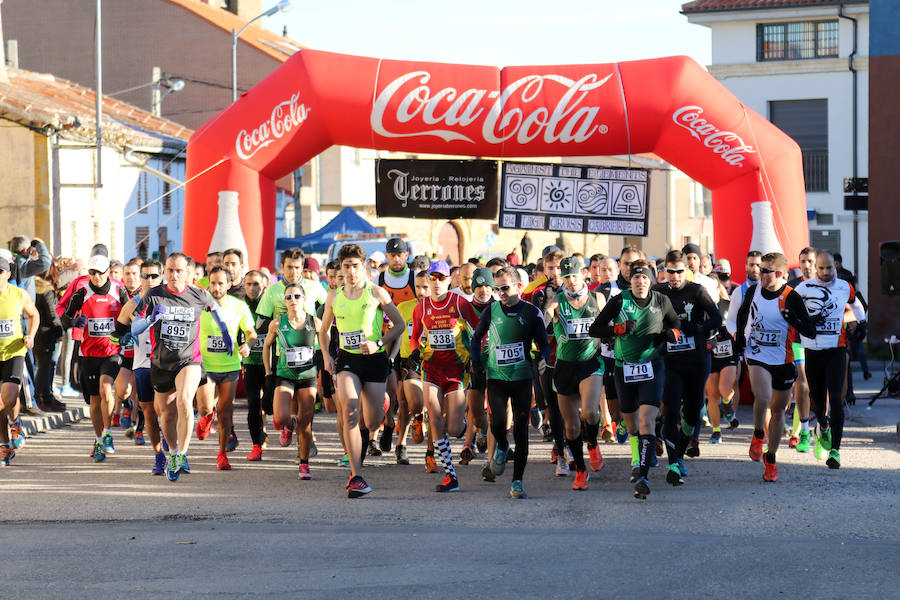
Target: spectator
column 29, row 259
column 512, row 258
column 46, row 344
column 525, row 244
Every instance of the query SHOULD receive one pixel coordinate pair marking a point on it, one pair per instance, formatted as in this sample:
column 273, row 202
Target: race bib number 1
column 7, row 328
column 350, row 340
column 299, row 358
column 636, row 372
column 510, row 354
column 100, row 327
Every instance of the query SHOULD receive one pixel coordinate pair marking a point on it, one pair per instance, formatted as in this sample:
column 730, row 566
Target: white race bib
column 636, row 372
column 577, row 329
column 258, row 344
column 767, row 337
column 7, row 328
column 723, row 349
column 409, row 328
column 830, row 326
column 299, row 358
column 175, row 332
column 685, row 343
column 100, row 326
column 510, row 354
column 441, row 339
column 350, row 340
column 216, row 344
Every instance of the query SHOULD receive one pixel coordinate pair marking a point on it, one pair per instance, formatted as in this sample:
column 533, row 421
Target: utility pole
column 155, row 92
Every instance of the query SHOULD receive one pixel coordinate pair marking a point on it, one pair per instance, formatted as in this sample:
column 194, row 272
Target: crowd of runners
column 584, row 349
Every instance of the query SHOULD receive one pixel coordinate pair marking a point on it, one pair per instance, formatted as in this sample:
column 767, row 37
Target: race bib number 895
column 175, row 332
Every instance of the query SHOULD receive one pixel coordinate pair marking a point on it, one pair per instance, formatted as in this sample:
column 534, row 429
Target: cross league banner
column 575, row 198
column 436, row 189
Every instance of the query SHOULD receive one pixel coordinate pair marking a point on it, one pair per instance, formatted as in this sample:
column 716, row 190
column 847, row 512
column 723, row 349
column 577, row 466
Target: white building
column 804, row 65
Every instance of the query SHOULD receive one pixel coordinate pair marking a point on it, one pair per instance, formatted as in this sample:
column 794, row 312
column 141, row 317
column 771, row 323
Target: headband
column 643, row 271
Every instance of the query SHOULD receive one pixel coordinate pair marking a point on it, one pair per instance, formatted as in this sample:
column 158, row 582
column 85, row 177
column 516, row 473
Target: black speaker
column 890, row 268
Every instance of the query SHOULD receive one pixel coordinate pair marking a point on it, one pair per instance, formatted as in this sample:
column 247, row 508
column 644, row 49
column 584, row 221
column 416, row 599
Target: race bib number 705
column 510, row 354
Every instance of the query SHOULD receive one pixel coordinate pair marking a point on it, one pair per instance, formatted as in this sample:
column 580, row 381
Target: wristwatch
column 380, row 343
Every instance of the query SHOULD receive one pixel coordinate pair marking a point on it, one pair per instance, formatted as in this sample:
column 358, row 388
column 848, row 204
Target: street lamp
column 282, row 6
column 157, row 83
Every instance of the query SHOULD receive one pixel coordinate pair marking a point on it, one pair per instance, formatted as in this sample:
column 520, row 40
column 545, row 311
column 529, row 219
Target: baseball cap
column 311, row 263
column 482, row 276
column 722, row 266
column 550, row 249
column 395, row 245
column 98, row 262
column 571, row 265
column 4, row 264
column 439, row 266
column 378, row 257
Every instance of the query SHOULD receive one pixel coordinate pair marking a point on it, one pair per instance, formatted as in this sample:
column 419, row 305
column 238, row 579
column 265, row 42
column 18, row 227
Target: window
column 167, row 188
column 826, row 239
column 807, row 122
column 797, row 40
column 701, row 203
column 142, row 240
column 142, row 193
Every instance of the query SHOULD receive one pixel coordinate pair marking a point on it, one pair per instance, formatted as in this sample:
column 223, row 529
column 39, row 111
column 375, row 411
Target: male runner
column 608, row 274
column 233, row 262
column 800, row 430
column 628, row 255
column 482, row 297
column 132, row 418
column 466, row 271
column 362, row 366
column 511, row 326
column 692, row 260
column 14, row 344
column 771, row 309
column 751, row 267
column 259, row 399
column 222, row 365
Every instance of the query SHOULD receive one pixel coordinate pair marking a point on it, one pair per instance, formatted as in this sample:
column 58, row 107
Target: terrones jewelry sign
column 436, row 189
column 573, row 198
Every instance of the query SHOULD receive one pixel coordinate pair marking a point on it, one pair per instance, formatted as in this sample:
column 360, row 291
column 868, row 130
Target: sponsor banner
column 575, row 198
column 436, row 189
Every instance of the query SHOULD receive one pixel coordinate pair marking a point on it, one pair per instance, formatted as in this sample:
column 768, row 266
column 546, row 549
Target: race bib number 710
column 635, row 372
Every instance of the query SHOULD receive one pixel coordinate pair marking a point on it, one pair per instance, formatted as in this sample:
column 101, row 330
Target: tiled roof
column 40, row 100
column 277, row 46
column 698, row 6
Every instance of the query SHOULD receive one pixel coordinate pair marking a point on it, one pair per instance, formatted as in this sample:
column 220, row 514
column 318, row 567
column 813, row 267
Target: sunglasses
column 293, row 296
column 437, row 277
column 150, row 275
column 503, row 288
column 93, row 272
column 673, row 271
column 768, row 270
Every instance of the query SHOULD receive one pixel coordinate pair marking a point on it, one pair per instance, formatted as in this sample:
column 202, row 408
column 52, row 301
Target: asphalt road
column 76, row 529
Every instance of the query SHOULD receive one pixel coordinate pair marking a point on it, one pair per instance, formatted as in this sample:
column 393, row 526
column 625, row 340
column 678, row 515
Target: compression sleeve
column 797, row 315
column 731, row 320
column 601, row 327
column 714, row 320
column 539, row 334
column 480, row 331
column 743, row 313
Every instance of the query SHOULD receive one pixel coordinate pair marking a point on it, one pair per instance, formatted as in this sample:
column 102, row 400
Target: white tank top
column 769, row 341
column 825, row 303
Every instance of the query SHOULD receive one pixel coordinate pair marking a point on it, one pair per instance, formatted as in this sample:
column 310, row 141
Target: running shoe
column 771, row 471
column 716, row 437
column 803, row 441
column 255, row 453
column 16, row 434
column 6, row 455
column 498, row 462
column 596, row 458
column 466, row 455
column 418, row 434
column 116, row 420
column 673, row 475
column 756, row 448
column 265, row 440
column 537, row 419
column 546, row 432
column 108, row 446
column 373, row 449
column 401, row 454
column 172, row 471
column 430, row 464
column 693, row 449
column 139, row 438
column 304, row 474
column 159, row 467
column 222, row 463
column 823, row 444
column 487, row 474
column 126, row 418
column 732, row 421
column 621, row 433
column 357, row 487
column 287, row 434
column 313, row 449
column 386, row 439
column 793, row 442
column 581, row 479
column 834, row 459
column 517, row 490
column 449, row 484
column 562, row 467
column 554, row 455
column 204, row 426
column 659, row 446
column 181, row 462
column 682, row 470
column 635, row 473
column 98, row 455
column 481, row 442
column 277, row 426
column 232, row 443
column 165, row 445
column 641, row 488
column 607, row 432
column 129, row 433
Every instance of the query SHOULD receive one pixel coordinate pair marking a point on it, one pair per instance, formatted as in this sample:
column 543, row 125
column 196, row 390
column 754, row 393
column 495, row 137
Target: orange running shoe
column 255, row 453
column 430, row 465
column 222, row 463
column 756, row 448
column 771, row 472
column 418, row 435
column 596, row 461
column 581, row 479
column 793, row 441
column 204, row 426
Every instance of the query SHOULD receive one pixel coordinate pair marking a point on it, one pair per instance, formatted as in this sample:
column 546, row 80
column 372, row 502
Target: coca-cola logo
column 285, row 116
column 422, row 111
column 727, row 144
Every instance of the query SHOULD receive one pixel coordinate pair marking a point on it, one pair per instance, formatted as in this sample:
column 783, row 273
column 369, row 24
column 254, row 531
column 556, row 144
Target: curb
column 33, row 425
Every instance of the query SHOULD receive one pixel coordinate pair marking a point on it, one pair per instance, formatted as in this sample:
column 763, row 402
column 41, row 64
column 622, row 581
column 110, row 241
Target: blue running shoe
column 125, row 419
column 160, row 467
column 181, row 463
column 621, row 433
column 517, row 490
column 232, row 442
column 681, row 468
column 498, row 462
column 16, row 434
column 165, row 444
column 99, row 455
column 108, row 446
column 6, row 455
column 642, row 488
column 172, row 472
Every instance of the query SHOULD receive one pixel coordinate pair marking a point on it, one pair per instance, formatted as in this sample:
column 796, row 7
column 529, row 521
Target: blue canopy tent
column 346, row 222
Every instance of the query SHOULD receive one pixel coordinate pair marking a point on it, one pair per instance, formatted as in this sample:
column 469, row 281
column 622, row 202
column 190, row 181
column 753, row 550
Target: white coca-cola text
column 727, row 144
column 428, row 111
column 285, row 116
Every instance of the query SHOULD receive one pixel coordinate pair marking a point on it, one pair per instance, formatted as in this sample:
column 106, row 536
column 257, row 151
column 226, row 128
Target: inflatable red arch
column 669, row 106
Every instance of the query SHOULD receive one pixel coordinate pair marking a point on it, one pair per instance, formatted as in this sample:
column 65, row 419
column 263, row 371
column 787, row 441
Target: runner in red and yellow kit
column 443, row 316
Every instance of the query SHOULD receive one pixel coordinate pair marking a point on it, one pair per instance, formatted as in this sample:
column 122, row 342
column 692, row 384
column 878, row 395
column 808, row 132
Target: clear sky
column 496, row 32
